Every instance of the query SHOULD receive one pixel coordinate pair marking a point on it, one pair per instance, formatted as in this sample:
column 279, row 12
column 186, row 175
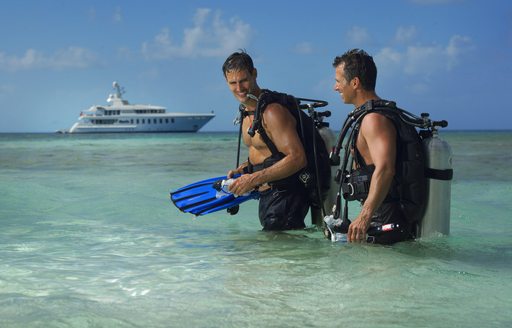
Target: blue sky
column 451, row 58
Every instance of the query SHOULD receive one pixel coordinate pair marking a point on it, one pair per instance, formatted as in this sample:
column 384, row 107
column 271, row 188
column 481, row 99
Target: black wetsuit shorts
column 391, row 212
column 283, row 209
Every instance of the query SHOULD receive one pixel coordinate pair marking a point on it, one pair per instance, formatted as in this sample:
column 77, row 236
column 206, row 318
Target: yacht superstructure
column 121, row 116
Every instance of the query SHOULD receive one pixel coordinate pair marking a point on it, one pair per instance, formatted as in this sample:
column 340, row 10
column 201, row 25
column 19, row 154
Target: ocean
column 89, row 238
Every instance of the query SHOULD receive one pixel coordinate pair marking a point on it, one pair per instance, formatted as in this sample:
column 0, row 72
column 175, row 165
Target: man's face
column 342, row 86
column 241, row 83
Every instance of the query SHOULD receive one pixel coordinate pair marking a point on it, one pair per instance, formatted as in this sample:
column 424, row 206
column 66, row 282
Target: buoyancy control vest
column 410, row 185
column 316, row 176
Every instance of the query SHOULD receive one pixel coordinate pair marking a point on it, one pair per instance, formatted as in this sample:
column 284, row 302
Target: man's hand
column 243, row 184
column 357, row 230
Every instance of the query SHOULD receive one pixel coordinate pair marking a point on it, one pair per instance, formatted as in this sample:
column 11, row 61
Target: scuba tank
column 329, row 139
column 439, row 173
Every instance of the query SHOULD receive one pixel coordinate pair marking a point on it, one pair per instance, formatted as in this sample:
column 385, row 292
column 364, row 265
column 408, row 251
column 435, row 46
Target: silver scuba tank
column 316, row 214
column 436, row 219
column 329, row 140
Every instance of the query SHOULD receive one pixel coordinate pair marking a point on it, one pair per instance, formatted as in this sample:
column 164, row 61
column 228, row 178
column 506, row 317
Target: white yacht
column 121, row 116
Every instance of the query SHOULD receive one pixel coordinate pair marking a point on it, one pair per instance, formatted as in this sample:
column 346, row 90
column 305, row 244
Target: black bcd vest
column 318, row 167
column 409, row 185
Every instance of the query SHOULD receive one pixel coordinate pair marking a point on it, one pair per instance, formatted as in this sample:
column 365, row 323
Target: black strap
column 270, row 144
column 242, row 111
column 246, row 113
column 437, row 174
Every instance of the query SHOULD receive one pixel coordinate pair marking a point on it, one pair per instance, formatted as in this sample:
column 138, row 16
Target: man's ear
column 255, row 73
column 355, row 83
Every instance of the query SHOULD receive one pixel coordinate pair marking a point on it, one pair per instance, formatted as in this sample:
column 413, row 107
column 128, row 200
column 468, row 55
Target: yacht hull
column 185, row 124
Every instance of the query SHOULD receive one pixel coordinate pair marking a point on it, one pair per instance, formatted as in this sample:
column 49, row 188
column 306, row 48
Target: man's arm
column 280, row 126
column 377, row 137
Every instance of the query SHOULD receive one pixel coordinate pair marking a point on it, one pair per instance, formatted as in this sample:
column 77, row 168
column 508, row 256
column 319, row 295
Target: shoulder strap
column 358, row 158
column 384, row 107
column 266, row 139
column 266, row 98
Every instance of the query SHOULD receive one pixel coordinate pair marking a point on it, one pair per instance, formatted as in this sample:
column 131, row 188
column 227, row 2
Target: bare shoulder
column 277, row 115
column 375, row 118
column 375, row 122
column 275, row 109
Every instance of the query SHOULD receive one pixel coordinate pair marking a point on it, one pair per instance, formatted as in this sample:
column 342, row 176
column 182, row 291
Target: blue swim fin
column 207, row 196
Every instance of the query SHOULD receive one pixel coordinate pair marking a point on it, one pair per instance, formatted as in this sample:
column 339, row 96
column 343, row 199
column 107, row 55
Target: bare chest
column 258, row 149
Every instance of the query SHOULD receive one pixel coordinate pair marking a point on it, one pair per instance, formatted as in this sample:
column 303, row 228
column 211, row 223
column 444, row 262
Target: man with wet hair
column 283, row 202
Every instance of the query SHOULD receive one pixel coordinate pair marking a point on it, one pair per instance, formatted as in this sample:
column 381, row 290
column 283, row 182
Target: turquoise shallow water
column 90, row 239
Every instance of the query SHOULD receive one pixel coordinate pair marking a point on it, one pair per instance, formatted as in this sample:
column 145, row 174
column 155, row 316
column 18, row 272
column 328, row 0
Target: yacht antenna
column 119, row 89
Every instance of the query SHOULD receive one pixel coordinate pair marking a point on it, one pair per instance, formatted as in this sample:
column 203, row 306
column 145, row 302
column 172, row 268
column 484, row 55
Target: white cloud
column 457, row 47
column 417, row 63
column 210, row 36
column 422, row 59
column 72, row 57
column 388, row 56
column 358, row 35
column 405, row 34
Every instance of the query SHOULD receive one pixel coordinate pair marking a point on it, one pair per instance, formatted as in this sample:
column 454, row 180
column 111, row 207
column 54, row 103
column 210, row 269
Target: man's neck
column 250, row 104
column 364, row 97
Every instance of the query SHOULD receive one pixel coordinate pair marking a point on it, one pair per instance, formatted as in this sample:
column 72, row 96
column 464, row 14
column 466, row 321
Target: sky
column 450, row 58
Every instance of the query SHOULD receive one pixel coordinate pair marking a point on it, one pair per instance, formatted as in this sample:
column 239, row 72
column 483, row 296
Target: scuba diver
column 280, row 163
column 283, row 206
column 288, row 168
column 374, row 176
